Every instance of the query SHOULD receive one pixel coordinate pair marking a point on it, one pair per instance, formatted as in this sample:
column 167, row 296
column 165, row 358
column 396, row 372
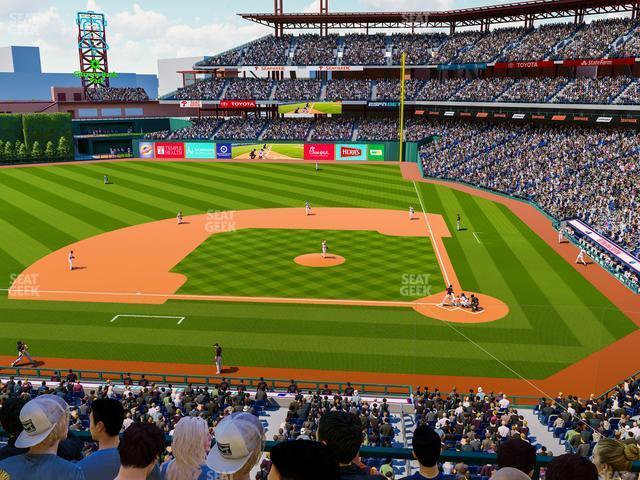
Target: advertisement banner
column 462, row 66
column 190, row 103
column 238, row 104
column 307, row 109
column 319, row 151
column 268, row 151
column 375, row 152
column 145, row 149
column 383, row 104
column 223, row 150
column 169, row 150
column 542, row 64
column 599, row 62
column 200, row 150
column 351, row 152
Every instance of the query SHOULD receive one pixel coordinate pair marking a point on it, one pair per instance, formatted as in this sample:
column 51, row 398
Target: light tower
column 92, row 50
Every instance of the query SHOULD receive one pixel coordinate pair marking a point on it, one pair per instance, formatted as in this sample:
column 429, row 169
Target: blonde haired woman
column 190, row 445
column 239, row 445
column 613, row 459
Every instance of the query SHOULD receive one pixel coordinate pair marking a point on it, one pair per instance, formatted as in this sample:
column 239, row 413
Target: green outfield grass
column 259, row 263
column 556, row 316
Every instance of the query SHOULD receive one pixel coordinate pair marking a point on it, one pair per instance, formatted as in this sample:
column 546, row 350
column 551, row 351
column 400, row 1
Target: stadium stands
column 112, row 94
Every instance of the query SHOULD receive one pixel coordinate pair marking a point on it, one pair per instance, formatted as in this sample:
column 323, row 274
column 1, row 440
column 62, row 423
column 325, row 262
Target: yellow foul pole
column 401, row 120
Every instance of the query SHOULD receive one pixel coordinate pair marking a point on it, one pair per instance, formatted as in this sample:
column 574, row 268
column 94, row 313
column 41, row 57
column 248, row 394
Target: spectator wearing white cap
column 239, row 444
column 190, row 445
column 45, row 421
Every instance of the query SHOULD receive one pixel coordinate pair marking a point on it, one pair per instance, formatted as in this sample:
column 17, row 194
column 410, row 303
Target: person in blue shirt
column 105, row 422
column 45, row 422
column 426, row 449
column 190, row 444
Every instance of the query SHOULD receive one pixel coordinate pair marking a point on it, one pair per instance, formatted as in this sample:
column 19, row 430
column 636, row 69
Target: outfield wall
column 226, row 150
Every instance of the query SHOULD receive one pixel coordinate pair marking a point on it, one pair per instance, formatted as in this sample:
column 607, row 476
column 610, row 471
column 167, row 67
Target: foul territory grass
column 260, row 263
column 556, row 316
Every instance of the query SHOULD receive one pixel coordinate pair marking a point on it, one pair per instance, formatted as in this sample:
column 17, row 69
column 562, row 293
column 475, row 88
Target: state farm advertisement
column 351, row 152
column 599, row 62
column 238, row 104
column 319, row 151
column 169, row 150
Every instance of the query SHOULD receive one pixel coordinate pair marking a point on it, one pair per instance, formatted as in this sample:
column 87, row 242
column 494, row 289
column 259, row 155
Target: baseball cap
column 39, row 417
column 237, row 437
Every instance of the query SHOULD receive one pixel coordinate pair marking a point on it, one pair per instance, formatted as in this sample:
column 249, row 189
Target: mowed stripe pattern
column 260, row 263
column 556, row 317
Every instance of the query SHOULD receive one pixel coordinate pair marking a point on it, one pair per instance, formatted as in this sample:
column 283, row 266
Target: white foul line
column 476, row 237
column 435, row 244
column 180, row 319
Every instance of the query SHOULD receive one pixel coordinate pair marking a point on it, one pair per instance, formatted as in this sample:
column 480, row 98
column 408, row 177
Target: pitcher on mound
column 325, row 249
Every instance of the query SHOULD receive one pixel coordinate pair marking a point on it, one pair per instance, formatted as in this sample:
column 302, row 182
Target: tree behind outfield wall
column 1, row 150
column 21, row 151
column 36, row 150
column 50, row 150
column 64, row 150
column 8, row 151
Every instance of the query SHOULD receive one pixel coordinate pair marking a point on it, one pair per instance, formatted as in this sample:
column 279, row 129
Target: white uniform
column 179, row 217
column 71, row 257
column 411, row 212
column 580, row 258
column 307, row 208
column 324, row 249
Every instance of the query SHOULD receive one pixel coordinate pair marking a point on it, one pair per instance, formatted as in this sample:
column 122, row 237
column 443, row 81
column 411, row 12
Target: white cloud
column 408, row 5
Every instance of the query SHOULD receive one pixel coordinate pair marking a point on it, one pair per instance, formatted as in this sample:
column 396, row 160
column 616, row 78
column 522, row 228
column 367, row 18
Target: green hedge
column 45, row 127
column 11, row 127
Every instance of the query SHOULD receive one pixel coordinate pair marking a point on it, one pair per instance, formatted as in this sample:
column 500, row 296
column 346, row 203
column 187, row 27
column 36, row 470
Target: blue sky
column 142, row 31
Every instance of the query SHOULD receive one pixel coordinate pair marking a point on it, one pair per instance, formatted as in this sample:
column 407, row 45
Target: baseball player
column 218, row 358
column 179, row 217
column 411, row 212
column 458, row 222
column 23, row 351
column 71, row 259
column 560, row 235
column 105, row 179
column 580, row 258
column 324, row 248
column 317, row 167
column 307, row 207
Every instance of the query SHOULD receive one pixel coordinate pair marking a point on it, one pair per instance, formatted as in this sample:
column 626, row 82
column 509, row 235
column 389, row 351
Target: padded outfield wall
column 226, row 150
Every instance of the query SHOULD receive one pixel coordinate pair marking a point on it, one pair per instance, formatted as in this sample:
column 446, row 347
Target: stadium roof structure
column 526, row 12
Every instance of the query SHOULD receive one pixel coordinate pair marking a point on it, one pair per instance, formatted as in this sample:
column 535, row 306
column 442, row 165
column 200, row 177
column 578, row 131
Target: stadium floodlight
column 92, row 50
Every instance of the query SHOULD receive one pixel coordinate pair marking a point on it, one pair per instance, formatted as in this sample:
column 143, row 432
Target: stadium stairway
column 323, row 91
column 543, row 437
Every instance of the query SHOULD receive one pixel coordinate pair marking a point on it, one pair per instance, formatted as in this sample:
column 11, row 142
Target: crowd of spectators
column 241, row 129
column 593, row 90
column 630, row 47
column 332, row 129
column 539, row 90
column 232, row 57
column 591, row 174
column 419, row 47
column 297, row 90
column 361, row 49
column 375, row 129
column 288, row 129
column 117, row 94
column 456, row 44
column 490, row 46
column 482, row 90
column 539, row 42
column 203, row 90
column 249, row 89
column 268, row 51
column 200, row 129
column 594, row 40
column 314, row 50
column 348, row 90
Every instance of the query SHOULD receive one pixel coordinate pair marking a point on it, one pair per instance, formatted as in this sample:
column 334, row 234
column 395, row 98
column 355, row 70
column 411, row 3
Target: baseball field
column 281, row 316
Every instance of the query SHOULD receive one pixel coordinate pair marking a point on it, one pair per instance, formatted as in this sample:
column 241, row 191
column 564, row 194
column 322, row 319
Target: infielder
column 71, row 259
column 580, row 258
column 458, row 222
column 324, row 248
column 307, row 207
column 179, row 217
column 23, row 351
column 411, row 212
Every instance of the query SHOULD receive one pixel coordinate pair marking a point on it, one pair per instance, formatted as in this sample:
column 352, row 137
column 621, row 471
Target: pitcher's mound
column 316, row 260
